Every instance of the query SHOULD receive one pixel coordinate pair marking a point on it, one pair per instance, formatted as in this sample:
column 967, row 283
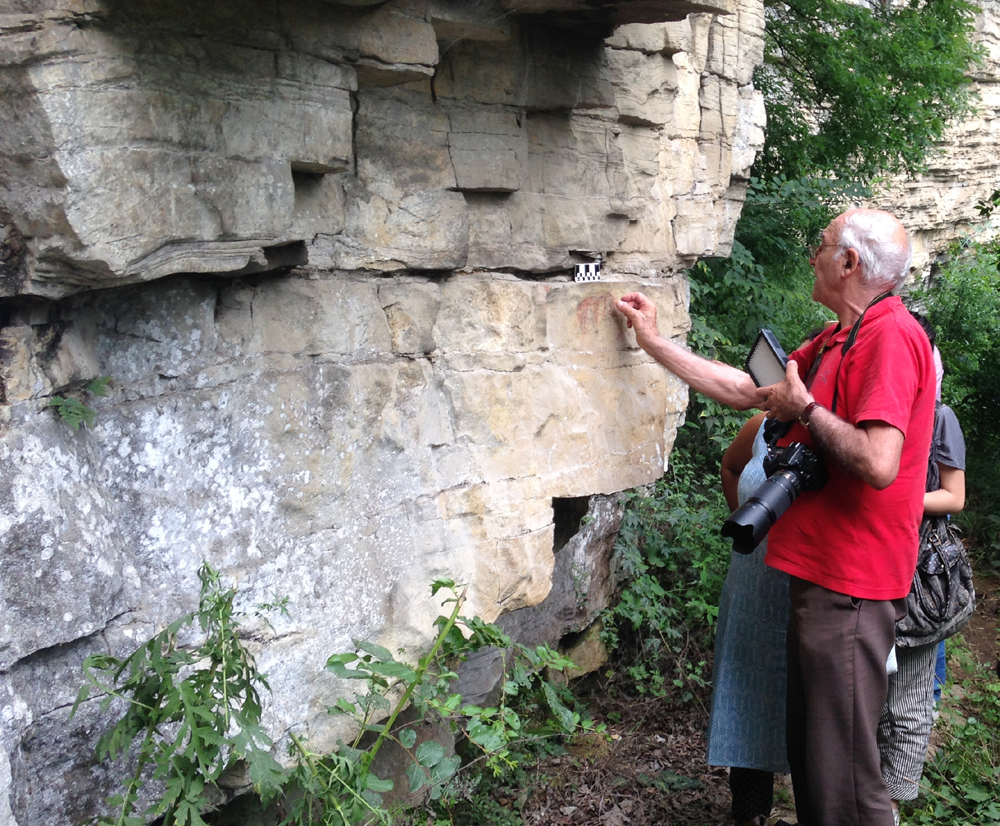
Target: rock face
column 324, row 251
column 939, row 206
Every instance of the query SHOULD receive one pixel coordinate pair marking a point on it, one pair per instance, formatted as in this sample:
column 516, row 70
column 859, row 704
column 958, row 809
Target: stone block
column 588, row 652
column 582, row 319
column 424, row 231
column 689, row 35
column 333, row 318
column 736, row 43
column 486, row 315
column 696, row 226
column 402, row 143
column 542, row 69
column 487, row 163
column 123, row 192
column 319, row 204
column 411, row 309
column 389, row 33
column 645, row 87
column 44, row 359
column 311, row 131
column 310, row 71
column 687, row 107
column 56, row 545
column 648, row 38
column 748, row 138
column 374, row 74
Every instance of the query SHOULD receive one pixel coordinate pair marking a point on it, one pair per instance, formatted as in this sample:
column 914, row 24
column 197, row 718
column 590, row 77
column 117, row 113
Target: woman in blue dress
column 746, row 728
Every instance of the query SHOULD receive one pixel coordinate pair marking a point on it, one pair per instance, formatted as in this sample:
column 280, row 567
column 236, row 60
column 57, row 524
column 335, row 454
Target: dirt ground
column 652, row 771
column 982, row 634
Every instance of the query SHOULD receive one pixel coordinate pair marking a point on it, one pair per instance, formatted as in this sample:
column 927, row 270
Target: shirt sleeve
column 950, row 441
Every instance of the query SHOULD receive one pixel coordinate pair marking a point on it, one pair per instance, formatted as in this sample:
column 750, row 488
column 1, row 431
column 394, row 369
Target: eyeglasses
column 814, row 249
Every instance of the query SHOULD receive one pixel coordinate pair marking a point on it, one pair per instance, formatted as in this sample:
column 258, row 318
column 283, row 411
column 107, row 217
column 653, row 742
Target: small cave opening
column 567, row 516
column 308, row 185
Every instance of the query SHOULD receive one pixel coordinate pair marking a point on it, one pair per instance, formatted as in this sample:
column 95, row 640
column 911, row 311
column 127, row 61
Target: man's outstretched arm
column 718, row 381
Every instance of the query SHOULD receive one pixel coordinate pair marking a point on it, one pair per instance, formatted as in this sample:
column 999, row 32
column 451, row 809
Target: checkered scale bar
column 587, row 272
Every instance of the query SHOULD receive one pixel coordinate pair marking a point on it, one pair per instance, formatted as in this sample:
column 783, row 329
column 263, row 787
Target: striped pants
column 904, row 729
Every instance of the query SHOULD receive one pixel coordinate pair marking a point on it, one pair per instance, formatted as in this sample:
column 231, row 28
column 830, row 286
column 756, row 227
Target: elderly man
column 862, row 393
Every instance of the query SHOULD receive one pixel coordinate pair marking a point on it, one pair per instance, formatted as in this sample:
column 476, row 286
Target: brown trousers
column 837, row 651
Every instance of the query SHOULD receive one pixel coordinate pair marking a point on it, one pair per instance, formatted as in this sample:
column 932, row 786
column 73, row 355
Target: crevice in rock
column 63, row 648
column 355, row 106
column 567, row 518
column 571, row 640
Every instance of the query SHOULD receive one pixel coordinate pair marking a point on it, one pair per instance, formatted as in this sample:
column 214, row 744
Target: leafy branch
column 191, row 713
column 344, row 789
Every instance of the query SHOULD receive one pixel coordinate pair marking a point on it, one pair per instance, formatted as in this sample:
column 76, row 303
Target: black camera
column 790, row 470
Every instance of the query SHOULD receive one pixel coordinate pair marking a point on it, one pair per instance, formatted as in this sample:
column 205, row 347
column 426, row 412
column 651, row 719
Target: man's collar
column 873, row 311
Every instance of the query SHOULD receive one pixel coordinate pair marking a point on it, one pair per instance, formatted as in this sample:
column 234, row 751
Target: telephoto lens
column 791, row 470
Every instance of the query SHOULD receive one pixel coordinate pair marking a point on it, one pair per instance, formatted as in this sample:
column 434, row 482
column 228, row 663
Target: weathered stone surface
column 689, row 36
column 646, row 88
column 396, row 381
column 736, row 43
column 588, row 652
column 619, row 13
column 328, row 467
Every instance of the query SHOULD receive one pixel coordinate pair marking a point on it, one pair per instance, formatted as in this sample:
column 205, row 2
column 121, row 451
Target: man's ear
column 850, row 259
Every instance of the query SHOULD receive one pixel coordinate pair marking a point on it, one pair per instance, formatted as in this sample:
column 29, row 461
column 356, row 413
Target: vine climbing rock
column 324, row 252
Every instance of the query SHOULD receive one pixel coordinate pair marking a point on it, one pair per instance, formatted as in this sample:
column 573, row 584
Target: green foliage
column 672, row 561
column 342, row 789
column 861, row 90
column 190, row 713
column 475, row 798
column 75, row 412
column 963, row 304
column 961, row 785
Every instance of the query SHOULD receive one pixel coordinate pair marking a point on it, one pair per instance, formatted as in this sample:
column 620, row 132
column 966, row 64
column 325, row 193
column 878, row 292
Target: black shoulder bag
column 942, row 597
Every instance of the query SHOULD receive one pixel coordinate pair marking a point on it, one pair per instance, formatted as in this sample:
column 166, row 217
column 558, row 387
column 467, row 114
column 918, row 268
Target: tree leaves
column 861, row 90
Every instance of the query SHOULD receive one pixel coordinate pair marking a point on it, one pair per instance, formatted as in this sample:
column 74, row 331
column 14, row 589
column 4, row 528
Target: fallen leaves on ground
column 651, row 770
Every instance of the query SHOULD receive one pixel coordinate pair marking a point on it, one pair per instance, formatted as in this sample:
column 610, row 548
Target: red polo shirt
column 849, row 537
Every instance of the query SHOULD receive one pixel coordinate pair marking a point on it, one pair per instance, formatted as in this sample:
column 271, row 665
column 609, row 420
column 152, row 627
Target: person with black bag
column 939, row 605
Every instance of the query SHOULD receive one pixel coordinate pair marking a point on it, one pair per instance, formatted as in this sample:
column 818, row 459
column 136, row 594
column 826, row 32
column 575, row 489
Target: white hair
column 884, row 262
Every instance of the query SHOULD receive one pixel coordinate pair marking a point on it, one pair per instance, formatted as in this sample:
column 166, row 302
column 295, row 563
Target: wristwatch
column 807, row 412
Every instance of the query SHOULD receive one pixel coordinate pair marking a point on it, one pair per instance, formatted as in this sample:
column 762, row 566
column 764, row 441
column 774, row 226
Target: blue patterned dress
column 746, row 727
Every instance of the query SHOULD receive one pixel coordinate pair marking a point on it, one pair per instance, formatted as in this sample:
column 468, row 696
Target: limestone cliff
column 324, row 252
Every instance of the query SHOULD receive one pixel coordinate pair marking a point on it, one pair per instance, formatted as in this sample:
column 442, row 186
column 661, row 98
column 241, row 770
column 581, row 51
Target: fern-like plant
column 191, row 713
column 75, row 412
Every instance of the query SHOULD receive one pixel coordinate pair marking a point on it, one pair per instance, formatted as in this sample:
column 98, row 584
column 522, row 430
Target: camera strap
column 848, row 344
